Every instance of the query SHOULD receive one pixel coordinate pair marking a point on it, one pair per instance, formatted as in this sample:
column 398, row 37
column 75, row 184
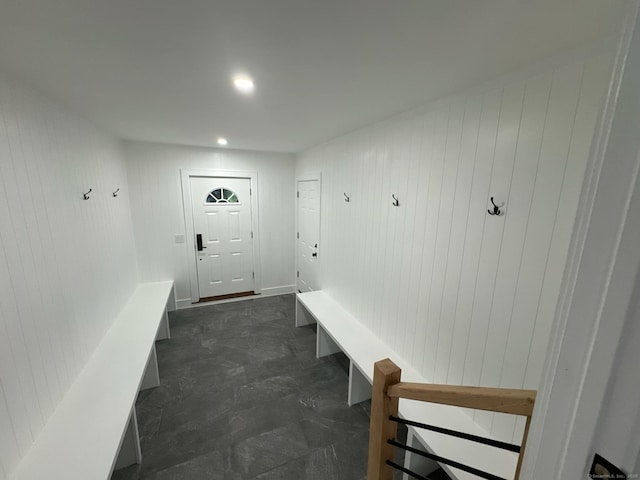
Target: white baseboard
column 268, row 292
column 183, row 303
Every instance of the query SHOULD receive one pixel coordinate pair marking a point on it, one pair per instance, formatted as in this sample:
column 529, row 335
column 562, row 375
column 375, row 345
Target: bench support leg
column 151, row 376
column 302, row 316
column 417, row 463
column 130, row 452
column 172, row 305
column 359, row 386
column 163, row 331
column 325, row 344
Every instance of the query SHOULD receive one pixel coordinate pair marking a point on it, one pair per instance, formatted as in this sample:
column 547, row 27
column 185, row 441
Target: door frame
column 307, row 176
column 186, row 175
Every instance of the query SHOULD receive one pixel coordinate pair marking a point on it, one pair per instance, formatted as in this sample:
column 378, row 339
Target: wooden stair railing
column 388, row 389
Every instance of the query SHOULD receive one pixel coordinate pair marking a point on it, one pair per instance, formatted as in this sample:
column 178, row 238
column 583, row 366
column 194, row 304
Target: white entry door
column 308, row 234
column 224, row 241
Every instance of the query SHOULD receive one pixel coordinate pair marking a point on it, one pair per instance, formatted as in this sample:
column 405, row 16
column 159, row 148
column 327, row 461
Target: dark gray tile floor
column 242, row 396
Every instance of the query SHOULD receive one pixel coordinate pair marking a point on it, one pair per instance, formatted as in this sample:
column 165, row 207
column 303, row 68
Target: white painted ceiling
column 159, row 70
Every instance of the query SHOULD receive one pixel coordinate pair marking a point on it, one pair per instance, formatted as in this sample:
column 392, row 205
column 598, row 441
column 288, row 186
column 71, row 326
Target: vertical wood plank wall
column 465, row 297
column 158, row 212
column 67, row 265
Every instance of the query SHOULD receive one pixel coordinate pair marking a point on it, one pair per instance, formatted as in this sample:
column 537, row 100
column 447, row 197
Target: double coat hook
column 115, row 194
column 396, row 202
column 86, row 195
column 496, row 209
column 346, row 198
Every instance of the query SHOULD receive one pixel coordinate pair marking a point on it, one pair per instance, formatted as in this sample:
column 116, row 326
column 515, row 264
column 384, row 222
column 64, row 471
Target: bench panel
column 302, row 316
column 130, row 452
column 359, row 386
column 325, row 344
column 151, row 378
column 163, row 331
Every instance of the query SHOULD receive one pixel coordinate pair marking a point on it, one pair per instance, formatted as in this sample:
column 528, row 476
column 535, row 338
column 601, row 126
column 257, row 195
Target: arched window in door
column 222, row 195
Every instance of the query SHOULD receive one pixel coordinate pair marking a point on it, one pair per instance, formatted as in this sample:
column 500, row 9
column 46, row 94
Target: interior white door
column 308, row 234
column 224, row 240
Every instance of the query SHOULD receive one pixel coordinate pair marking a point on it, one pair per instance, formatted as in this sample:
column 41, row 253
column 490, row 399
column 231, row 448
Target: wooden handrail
column 387, row 390
column 500, row 400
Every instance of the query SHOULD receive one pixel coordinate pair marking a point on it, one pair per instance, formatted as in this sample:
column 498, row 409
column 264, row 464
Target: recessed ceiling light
column 243, row 83
column 222, row 141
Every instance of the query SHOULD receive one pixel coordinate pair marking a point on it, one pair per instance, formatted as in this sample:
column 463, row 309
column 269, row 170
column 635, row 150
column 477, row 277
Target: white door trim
column 595, row 293
column 185, row 175
column 307, row 176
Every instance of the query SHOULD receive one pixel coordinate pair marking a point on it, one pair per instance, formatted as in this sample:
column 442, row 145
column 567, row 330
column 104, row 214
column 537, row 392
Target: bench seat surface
column 81, row 439
column 364, row 349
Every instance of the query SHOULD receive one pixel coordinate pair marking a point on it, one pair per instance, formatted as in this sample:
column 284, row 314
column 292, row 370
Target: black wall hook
column 496, row 209
column 115, row 194
column 86, row 195
column 396, row 202
column 346, row 198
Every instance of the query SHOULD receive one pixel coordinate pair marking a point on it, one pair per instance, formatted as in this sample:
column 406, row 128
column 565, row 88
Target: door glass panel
column 222, row 195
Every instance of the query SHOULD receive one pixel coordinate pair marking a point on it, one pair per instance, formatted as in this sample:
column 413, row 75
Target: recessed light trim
column 222, row 141
column 243, row 83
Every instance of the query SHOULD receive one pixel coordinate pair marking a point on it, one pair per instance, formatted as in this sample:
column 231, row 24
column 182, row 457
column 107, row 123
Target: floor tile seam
column 222, row 450
column 277, row 467
column 281, row 465
column 294, row 371
column 158, row 472
column 297, row 459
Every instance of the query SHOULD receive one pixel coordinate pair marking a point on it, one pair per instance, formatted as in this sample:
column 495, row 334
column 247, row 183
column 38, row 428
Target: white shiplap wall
column 158, row 212
column 67, row 266
column 465, row 297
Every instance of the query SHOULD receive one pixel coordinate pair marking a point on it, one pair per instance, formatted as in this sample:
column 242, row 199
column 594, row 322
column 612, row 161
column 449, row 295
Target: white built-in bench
column 339, row 331
column 94, row 428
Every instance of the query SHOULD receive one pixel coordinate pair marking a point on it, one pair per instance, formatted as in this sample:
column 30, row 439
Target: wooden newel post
column 385, row 374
